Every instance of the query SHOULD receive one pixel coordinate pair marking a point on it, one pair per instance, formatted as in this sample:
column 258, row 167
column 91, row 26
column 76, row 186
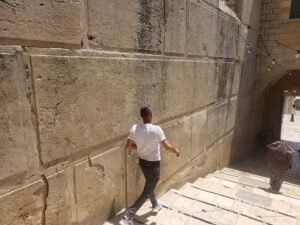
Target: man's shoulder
column 158, row 128
column 133, row 128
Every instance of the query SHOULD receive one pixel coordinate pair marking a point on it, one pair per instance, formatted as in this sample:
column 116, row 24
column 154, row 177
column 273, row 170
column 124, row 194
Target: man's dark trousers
column 151, row 171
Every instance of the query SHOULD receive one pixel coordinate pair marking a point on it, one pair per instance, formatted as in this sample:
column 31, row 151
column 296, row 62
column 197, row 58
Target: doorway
column 290, row 126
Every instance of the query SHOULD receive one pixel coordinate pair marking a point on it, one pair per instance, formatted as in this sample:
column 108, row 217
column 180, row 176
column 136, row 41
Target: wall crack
column 45, row 196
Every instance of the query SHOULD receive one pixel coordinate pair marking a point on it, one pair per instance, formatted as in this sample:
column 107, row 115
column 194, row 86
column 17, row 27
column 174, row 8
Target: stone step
column 225, row 197
column 291, row 192
column 282, row 203
column 286, row 185
column 231, row 206
column 213, row 209
column 228, row 199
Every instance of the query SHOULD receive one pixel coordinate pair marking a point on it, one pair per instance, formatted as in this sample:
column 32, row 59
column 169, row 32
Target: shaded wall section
column 279, row 41
column 247, row 121
column 65, row 112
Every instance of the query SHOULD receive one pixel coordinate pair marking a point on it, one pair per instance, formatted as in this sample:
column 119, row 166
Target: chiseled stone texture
column 228, row 36
column 199, row 133
column 236, row 80
column 41, row 23
column 175, row 26
column 18, row 151
column 231, row 117
column 225, row 73
column 202, row 29
column 179, row 132
column 221, row 120
column 58, row 201
column 100, row 187
column 211, row 32
column 65, row 86
column 24, row 205
column 127, row 24
column 223, row 150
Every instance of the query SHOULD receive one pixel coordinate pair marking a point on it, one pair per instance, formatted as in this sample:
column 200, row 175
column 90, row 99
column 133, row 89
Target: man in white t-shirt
column 146, row 138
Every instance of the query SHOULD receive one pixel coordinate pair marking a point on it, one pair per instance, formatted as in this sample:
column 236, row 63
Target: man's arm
column 129, row 145
column 170, row 148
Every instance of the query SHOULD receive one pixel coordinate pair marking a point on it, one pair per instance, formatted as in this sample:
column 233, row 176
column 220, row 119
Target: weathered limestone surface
column 100, row 187
column 180, row 133
column 211, row 33
column 221, row 119
column 129, row 24
column 24, row 205
column 204, row 22
column 236, row 79
column 18, row 150
column 199, row 133
column 41, row 23
column 228, row 36
column 231, row 117
column 225, row 74
column 170, row 88
column 58, row 198
column 175, row 27
column 225, row 147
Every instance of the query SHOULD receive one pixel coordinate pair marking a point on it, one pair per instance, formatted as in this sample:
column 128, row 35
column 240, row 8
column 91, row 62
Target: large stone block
column 212, row 82
column 199, row 131
column 74, row 97
column 202, row 29
column 44, row 24
column 228, row 36
column 130, row 24
column 179, row 133
column 175, row 26
column 221, row 120
column 205, row 83
column 225, row 73
column 204, row 163
column 100, row 187
column 216, row 123
column 236, row 80
column 224, row 150
column 24, row 205
column 231, row 117
column 59, row 209
column 18, row 148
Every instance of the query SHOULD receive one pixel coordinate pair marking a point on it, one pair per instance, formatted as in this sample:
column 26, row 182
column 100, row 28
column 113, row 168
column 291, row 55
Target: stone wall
column 73, row 75
column 281, row 37
column 280, row 40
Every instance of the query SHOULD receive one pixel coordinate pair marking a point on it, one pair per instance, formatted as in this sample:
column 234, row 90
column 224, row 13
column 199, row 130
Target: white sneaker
column 157, row 208
column 125, row 221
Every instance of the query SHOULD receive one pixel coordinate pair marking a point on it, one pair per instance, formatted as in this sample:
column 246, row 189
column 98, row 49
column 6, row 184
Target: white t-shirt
column 147, row 138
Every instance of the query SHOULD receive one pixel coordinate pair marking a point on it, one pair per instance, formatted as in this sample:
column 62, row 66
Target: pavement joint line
column 242, row 200
column 255, row 186
column 242, row 183
column 223, row 208
column 186, row 213
column 247, row 173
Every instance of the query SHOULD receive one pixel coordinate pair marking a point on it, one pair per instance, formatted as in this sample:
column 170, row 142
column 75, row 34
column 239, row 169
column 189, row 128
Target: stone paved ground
column 290, row 132
column 231, row 196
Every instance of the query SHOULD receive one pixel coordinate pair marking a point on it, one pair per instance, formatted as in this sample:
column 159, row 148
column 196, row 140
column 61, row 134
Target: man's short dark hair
column 145, row 112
